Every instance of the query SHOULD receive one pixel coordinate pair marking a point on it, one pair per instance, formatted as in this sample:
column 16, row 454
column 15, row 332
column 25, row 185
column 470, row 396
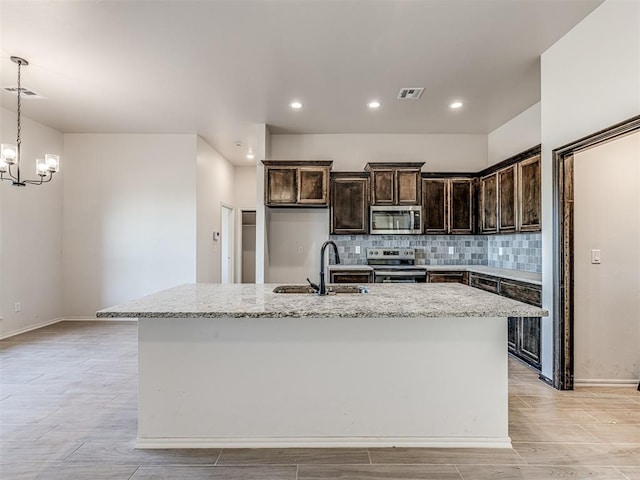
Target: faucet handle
column 313, row 285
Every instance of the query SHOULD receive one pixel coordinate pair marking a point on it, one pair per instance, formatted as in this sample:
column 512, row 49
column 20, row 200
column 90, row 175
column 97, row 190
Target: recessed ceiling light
column 295, row 105
column 373, row 104
column 455, row 105
column 250, row 156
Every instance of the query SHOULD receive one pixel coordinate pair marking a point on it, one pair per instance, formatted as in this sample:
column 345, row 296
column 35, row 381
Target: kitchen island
column 223, row 366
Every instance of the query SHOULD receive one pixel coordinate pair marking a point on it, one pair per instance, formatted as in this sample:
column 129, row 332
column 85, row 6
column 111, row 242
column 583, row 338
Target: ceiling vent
column 24, row 91
column 411, row 93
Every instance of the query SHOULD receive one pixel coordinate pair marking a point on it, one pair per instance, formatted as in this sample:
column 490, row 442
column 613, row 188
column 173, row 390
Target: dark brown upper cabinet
column 448, row 205
column 395, row 183
column 529, row 203
column 349, row 203
column 489, row 203
column 507, row 212
column 292, row 183
column 510, row 195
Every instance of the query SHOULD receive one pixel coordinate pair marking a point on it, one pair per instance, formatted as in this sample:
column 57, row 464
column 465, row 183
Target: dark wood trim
column 563, row 246
column 298, row 163
column 511, row 160
column 349, row 175
column 393, row 165
column 428, row 175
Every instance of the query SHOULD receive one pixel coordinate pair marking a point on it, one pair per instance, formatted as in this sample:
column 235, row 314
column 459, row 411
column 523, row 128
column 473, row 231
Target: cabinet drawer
column 447, row 277
column 490, row 284
column 356, row 276
column 522, row 292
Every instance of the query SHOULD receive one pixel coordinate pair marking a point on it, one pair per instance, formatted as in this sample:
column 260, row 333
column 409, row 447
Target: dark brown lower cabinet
column 351, row 276
column 523, row 337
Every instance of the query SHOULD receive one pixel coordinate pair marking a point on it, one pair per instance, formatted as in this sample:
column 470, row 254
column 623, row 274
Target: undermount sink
column 332, row 289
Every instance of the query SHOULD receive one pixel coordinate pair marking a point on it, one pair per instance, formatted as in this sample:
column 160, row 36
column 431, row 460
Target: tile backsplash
column 519, row 251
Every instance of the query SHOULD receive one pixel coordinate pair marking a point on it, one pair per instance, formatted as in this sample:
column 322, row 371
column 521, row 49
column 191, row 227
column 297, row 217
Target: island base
column 322, row 382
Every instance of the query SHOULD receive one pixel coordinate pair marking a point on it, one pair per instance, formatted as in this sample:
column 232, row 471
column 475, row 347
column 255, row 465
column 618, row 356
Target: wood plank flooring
column 68, row 411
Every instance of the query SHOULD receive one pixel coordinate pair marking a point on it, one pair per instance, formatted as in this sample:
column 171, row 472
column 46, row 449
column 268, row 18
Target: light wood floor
column 68, row 411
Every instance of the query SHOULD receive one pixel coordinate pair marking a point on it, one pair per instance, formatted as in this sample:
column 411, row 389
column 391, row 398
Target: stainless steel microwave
column 401, row 220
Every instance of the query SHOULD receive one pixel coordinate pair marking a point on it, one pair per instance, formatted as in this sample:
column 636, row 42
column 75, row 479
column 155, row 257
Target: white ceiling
column 218, row 68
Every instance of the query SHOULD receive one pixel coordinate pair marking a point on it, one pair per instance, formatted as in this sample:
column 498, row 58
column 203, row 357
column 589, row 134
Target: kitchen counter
column 406, row 365
column 519, row 275
column 384, row 300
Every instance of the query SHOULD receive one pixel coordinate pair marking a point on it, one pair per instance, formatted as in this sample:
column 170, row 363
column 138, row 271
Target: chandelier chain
column 19, row 107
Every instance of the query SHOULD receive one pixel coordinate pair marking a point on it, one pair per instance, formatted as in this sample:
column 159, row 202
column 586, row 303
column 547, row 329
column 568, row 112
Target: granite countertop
column 519, row 275
column 384, row 300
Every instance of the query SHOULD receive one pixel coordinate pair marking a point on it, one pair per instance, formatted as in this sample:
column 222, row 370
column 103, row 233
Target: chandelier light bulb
column 4, row 166
column 52, row 161
column 9, row 153
column 41, row 167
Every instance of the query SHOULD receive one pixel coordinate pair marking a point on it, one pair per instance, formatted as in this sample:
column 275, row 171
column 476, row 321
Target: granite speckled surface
column 522, row 276
column 384, row 300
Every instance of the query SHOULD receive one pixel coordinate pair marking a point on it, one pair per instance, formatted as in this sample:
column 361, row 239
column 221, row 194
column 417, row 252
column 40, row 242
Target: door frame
column 563, row 246
column 227, row 236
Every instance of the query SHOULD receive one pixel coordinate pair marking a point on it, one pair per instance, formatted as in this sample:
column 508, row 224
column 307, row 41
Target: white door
column 226, row 243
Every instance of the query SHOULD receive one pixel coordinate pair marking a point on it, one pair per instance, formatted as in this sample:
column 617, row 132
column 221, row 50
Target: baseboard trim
column 606, row 382
column 324, row 442
column 96, row 319
column 31, row 328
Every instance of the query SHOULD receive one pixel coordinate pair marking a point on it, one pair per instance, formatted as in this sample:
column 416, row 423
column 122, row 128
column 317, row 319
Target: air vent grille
column 24, row 91
column 410, row 93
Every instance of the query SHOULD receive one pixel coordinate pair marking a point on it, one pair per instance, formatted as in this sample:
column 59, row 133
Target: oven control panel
column 387, row 253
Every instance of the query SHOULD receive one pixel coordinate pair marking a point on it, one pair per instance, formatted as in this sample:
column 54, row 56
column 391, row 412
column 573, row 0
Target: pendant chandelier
column 10, row 154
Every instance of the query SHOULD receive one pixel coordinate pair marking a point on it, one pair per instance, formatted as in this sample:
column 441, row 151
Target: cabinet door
column 313, row 183
column 461, row 206
column 383, row 187
column 512, row 334
column 281, row 186
column 529, row 212
column 484, row 282
column 489, row 204
column 349, row 206
column 435, row 205
column 507, row 199
column 408, row 184
column 530, row 340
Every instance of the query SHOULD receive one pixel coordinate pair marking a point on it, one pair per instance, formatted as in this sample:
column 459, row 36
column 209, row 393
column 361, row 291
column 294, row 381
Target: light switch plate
column 596, row 256
column 357, row 248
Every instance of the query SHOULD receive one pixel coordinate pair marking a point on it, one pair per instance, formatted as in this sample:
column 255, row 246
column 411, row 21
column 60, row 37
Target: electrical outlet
column 499, row 250
column 451, row 250
column 17, row 307
column 357, row 248
column 300, row 249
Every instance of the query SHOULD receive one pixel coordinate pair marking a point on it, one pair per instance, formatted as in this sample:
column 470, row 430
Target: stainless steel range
column 395, row 265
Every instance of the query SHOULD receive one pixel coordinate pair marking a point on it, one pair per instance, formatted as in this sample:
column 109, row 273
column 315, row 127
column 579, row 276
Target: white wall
column 30, row 232
column 515, row 136
column 590, row 80
column 245, row 196
column 295, row 238
column 607, row 295
column 215, row 185
column 129, row 221
column 351, row 152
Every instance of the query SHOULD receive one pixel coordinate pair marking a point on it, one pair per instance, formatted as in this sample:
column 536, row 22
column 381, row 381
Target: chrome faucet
column 323, row 288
